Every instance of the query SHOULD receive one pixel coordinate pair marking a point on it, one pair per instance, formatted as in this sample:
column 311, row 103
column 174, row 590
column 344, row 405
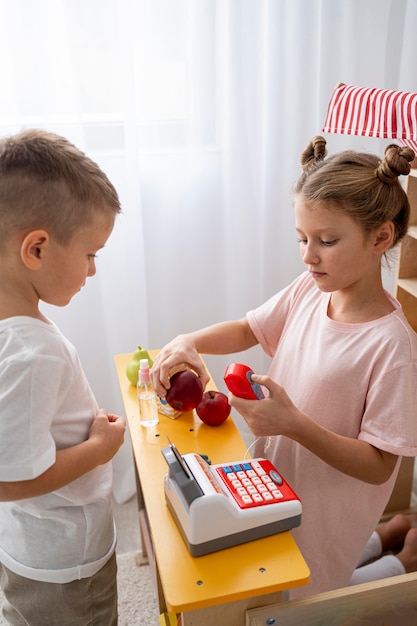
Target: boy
column 57, row 536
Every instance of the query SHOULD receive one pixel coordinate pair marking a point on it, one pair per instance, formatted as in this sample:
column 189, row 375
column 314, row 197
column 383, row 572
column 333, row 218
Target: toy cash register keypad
column 254, row 483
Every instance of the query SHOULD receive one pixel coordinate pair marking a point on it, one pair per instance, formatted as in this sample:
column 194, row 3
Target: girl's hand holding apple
column 179, row 351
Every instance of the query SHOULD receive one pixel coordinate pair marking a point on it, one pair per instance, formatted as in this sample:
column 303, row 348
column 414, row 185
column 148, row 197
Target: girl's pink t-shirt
column 358, row 380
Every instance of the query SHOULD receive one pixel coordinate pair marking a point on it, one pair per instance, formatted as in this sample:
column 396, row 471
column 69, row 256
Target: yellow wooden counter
column 187, row 584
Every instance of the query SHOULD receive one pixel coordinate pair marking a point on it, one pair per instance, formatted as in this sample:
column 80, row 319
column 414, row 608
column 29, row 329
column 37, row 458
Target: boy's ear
column 33, row 247
column 384, row 236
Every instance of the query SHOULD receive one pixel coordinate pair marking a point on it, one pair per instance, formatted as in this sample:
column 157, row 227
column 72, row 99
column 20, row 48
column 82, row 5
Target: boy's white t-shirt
column 358, row 380
column 46, row 404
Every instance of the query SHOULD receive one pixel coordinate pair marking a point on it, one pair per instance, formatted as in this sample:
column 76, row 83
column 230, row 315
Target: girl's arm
column 222, row 338
column 105, row 438
column 277, row 415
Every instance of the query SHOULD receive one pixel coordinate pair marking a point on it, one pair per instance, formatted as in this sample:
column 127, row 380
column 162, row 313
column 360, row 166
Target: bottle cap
column 144, row 371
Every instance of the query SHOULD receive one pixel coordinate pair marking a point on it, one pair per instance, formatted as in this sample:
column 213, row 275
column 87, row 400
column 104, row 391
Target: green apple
column 132, row 369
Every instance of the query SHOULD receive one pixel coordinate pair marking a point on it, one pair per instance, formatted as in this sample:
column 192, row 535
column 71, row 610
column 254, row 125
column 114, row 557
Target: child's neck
column 14, row 304
column 8, row 311
column 359, row 309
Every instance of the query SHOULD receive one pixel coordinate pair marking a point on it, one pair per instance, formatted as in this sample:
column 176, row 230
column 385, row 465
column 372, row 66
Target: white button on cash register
column 218, row 506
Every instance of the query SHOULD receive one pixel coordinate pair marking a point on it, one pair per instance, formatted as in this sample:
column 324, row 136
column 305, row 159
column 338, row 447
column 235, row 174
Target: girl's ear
column 384, row 236
column 32, row 250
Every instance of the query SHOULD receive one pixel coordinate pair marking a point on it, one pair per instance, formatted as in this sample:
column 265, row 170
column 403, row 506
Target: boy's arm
column 105, row 438
column 222, row 338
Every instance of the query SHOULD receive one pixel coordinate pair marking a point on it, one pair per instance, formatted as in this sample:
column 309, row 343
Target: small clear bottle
column 148, row 408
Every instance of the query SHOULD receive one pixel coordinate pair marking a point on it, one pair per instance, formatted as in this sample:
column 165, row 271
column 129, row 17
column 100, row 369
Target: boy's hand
column 108, row 431
column 105, row 438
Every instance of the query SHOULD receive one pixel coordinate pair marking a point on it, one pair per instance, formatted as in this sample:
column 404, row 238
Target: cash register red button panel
column 254, row 483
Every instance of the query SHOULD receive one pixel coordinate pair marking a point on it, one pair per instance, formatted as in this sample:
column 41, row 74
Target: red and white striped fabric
column 372, row 112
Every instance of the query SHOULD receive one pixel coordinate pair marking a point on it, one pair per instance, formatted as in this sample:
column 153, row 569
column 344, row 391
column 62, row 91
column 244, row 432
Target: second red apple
column 214, row 408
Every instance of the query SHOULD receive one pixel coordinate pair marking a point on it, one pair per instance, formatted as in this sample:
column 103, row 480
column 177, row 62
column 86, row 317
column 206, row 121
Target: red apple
column 185, row 392
column 214, row 408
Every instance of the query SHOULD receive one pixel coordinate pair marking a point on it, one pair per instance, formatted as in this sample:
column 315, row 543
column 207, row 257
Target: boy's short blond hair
column 48, row 183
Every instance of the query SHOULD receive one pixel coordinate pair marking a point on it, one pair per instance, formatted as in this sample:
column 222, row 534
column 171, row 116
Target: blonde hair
column 360, row 184
column 46, row 182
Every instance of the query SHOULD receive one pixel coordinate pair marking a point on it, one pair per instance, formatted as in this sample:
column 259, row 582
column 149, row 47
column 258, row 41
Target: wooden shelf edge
column 412, row 231
column 390, row 514
column 409, row 285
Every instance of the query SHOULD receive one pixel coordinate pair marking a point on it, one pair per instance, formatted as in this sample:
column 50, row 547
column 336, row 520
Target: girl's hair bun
column 314, row 152
column 396, row 163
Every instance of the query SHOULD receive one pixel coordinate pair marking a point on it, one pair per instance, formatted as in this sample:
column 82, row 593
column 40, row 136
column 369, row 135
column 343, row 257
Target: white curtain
column 198, row 111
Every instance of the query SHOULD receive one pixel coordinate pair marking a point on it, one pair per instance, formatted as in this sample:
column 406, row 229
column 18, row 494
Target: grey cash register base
column 207, row 517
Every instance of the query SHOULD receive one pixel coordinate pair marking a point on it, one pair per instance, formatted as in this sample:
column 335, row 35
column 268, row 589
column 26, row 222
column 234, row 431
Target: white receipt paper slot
column 218, row 506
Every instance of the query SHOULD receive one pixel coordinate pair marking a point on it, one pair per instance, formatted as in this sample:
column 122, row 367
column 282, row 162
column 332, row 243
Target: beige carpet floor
column 137, row 600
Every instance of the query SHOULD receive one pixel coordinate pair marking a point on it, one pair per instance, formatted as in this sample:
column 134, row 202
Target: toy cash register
column 218, row 506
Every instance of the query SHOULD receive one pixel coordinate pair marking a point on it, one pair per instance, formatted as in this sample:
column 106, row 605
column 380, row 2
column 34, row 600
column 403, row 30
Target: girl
column 341, row 405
